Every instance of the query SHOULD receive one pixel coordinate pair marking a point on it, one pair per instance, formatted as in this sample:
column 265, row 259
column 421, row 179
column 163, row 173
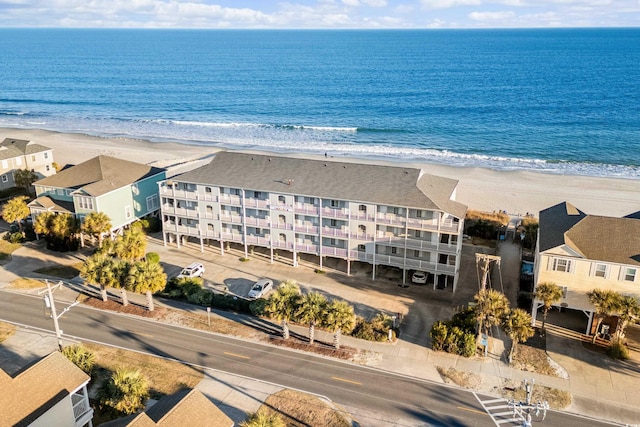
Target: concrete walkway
column 602, row 388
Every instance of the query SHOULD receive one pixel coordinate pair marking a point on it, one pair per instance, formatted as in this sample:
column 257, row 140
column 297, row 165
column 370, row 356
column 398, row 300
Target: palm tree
column 80, row 356
column 339, row 317
column 63, row 226
column 97, row 224
column 549, row 293
column 628, row 310
column 121, row 271
column 311, row 311
column 264, row 418
column 24, row 178
column 146, row 277
column 491, row 306
column 517, row 324
column 283, row 303
column 131, row 245
column 15, row 210
column 604, row 301
column 125, row 391
column 41, row 224
column 99, row 269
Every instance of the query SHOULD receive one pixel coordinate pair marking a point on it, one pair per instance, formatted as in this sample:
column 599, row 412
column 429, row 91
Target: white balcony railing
column 335, row 213
column 309, row 248
column 308, row 229
column 334, row 232
column 331, row 251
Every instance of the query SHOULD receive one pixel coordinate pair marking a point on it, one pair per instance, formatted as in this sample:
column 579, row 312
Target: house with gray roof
column 394, row 216
column 125, row 191
column 582, row 252
column 50, row 393
column 188, row 407
column 16, row 154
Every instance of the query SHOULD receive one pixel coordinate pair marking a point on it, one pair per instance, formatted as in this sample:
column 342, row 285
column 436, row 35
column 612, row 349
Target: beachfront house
column 125, row 191
column 394, row 216
column 187, row 407
column 50, row 393
column 17, row 154
column 581, row 252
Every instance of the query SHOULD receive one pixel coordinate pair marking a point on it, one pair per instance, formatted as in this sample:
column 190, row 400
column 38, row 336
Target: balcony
column 231, row 237
column 282, row 226
column 445, row 268
column 307, row 229
column 335, row 213
column 283, row 207
column 423, row 245
column 308, row 248
column 258, row 222
column 82, row 411
column 362, row 236
column 420, row 264
column 306, row 209
column 234, row 219
column 450, row 227
column 259, row 240
column 334, row 232
column 187, row 213
column 282, row 245
column 256, row 203
column 422, row 224
column 336, row 252
column 229, row 199
column 361, row 256
column 180, row 194
column 182, row 229
column 362, row 216
column 447, row 249
column 391, row 219
column 209, row 234
column 208, row 197
column 208, row 215
column 392, row 260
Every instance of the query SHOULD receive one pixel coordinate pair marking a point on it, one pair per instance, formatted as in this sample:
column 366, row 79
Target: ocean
column 563, row 101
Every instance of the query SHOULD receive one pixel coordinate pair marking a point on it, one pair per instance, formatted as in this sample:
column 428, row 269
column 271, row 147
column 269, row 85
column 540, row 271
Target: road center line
column 345, row 381
column 471, row 410
column 237, row 355
column 141, row 334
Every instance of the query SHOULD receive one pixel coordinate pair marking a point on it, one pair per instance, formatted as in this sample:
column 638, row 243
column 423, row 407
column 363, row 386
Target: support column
column 201, row 244
column 221, row 247
column 164, row 239
column 348, row 267
column 589, row 324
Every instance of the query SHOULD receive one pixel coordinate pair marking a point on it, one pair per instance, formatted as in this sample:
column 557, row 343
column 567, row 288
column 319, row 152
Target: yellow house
column 581, row 252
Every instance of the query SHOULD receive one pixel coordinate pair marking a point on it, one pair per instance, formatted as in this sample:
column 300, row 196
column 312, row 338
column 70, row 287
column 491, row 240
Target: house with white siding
column 393, row 216
column 19, row 154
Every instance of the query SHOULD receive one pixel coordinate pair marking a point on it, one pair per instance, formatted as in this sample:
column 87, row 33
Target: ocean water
column 557, row 100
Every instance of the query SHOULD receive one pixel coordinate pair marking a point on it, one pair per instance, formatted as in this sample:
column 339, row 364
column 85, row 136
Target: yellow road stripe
column 345, row 381
column 142, row 334
column 471, row 410
column 237, row 355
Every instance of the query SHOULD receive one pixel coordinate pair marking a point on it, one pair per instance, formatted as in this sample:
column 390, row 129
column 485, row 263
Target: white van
column 195, row 269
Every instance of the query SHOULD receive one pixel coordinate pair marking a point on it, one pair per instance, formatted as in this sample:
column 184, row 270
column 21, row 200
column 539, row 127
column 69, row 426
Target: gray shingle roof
column 46, row 202
column 390, row 185
column 23, row 146
column 595, row 237
column 99, row 175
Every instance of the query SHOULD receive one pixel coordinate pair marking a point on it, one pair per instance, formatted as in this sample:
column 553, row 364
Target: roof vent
column 289, row 181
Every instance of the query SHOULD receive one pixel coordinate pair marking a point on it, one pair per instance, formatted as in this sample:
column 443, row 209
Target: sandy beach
column 517, row 192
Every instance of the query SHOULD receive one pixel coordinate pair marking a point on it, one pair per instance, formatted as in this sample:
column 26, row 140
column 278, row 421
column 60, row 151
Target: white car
column 419, row 277
column 194, row 269
column 260, row 288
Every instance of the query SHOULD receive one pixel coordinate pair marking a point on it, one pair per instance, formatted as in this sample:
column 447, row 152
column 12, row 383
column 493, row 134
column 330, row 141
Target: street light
column 523, row 410
column 50, row 303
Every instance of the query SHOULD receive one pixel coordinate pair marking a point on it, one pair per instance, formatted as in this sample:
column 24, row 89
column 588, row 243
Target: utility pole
column 50, row 303
column 522, row 410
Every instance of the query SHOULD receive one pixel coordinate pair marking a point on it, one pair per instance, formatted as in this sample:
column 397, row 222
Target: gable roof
column 185, row 408
column 49, row 204
column 594, row 237
column 100, row 175
column 390, row 185
column 23, row 147
column 37, row 388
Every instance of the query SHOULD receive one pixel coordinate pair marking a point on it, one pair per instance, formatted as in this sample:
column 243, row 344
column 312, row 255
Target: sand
column 517, row 192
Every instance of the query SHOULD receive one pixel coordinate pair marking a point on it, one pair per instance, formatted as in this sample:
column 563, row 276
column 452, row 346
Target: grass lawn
column 6, row 330
column 23, row 283
column 7, row 248
column 303, row 410
column 61, row 271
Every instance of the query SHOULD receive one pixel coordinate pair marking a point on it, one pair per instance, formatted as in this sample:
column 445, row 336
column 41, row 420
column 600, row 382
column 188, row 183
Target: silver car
column 260, row 288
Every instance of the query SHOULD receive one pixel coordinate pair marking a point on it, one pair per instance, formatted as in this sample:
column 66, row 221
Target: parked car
column 194, row 269
column 419, row 277
column 260, row 288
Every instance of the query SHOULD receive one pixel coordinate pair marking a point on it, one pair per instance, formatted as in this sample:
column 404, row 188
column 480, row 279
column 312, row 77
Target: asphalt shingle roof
column 36, row 389
column 390, row 185
column 24, row 147
column 99, row 175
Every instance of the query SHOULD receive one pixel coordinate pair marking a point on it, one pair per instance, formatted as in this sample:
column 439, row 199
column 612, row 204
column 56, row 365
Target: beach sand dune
column 517, row 192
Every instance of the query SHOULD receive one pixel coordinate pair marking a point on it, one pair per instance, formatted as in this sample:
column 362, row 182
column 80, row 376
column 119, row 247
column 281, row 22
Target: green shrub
column 257, row 306
column 202, row 297
column 376, row 330
column 149, row 224
column 465, row 320
column 467, row 347
column 16, row 237
column 81, row 357
column 231, row 302
column 153, row 257
column 618, row 349
column 438, row 335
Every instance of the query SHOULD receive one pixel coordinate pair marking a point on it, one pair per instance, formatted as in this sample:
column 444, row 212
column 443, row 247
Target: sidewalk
column 605, row 391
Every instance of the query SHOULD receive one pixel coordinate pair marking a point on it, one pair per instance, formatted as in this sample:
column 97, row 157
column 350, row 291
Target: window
column 335, row 204
column 396, row 211
column 46, row 155
column 283, row 237
column 210, row 227
column 362, row 208
column 282, row 219
column 362, row 228
column 281, row 200
column 394, row 250
column 418, row 233
column 207, row 189
column 629, row 274
column 416, row 254
column 19, row 161
column 563, row 265
column 127, row 212
column 33, row 158
column 85, row 202
column 5, row 178
column 361, row 248
column 48, row 168
column 600, row 270
column 564, row 291
column 257, row 194
column 209, row 209
column 152, row 203
column 333, row 242
column 418, row 213
column 334, row 223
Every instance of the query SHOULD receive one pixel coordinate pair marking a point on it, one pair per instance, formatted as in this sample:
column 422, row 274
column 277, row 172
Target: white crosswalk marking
column 499, row 411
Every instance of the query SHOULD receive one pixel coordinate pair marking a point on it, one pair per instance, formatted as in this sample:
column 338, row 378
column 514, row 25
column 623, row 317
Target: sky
column 319, row 14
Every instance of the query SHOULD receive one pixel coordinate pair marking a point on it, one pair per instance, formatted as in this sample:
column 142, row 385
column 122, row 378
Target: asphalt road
column 372, row 391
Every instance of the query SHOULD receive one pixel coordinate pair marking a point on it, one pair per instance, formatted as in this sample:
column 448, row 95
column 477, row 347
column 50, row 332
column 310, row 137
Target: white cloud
column 446, row 4
column 492, row 16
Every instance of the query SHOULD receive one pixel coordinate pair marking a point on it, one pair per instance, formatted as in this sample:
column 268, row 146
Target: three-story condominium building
column 381, row 215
